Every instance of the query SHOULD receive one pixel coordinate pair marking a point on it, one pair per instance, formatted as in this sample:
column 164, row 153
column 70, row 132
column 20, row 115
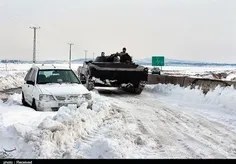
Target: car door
column 31, row 87
column 25, row 86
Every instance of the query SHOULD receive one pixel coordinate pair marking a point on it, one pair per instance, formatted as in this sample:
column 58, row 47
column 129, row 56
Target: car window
column 56, row 76
column 27, row 75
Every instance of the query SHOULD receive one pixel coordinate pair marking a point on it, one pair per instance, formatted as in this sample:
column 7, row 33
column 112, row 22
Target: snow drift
column 53, row 136
column 11, row 79
column 223, row 97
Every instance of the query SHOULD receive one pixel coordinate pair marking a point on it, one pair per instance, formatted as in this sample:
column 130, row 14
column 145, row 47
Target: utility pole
column 93, row 56
column 85, row 57
column 6, row 64
column 70, row 54
column 34, row 46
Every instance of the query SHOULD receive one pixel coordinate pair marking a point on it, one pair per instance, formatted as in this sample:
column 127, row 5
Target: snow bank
column 11, row 79
column 14, row 99
column 222, row 98
column 231, row 76
column 48, row 134
column 55, row 137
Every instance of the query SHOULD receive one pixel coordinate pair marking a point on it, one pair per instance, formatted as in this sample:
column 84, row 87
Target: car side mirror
column 30, row 82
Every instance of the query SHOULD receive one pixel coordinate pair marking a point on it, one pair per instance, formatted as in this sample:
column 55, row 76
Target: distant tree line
column 10, row 61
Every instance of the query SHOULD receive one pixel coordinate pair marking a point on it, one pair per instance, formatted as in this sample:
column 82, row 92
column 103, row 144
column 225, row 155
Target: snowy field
column 165, row 121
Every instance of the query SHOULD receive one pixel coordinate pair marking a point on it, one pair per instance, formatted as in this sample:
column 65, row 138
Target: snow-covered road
column 179, row 131
column 165, row 121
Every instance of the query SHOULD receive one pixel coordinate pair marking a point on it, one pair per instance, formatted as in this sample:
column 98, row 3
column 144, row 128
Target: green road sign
column 158, row 61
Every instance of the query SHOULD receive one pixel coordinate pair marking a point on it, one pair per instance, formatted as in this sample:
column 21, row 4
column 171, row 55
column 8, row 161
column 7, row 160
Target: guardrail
column 202, row 83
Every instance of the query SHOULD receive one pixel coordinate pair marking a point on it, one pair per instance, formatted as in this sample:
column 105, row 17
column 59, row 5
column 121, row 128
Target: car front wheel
column 34, row 106
column 23, row 100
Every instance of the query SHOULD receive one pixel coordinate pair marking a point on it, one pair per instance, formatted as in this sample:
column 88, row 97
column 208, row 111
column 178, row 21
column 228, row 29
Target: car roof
column 46, row 67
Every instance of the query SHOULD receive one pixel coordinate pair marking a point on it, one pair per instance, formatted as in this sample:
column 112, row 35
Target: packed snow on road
column 165, row 121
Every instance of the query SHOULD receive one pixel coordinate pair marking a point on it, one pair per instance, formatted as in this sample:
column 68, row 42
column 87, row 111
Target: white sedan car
column 49, row 88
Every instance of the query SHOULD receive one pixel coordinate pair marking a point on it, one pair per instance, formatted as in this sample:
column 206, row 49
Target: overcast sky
column 200, row 30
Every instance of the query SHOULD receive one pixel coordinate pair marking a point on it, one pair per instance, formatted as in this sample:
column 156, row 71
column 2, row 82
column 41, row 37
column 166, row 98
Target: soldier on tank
column 101, row 58
column 124, row 56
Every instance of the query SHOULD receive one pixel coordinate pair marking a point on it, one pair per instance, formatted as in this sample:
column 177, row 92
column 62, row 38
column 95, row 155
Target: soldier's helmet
column 124, row 49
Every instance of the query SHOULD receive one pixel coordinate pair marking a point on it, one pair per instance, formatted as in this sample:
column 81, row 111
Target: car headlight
column 87, row 96
column 43, row 97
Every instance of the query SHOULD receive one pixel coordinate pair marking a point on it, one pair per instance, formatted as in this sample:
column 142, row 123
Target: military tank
column 106, row 71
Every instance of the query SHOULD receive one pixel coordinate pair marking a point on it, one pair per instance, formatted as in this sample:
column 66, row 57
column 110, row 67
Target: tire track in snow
column 189, row 134
column 209, row 134
column 153, row 150
column 143, row 132
column 198, row 133
column 142, row 127
column 144, row 124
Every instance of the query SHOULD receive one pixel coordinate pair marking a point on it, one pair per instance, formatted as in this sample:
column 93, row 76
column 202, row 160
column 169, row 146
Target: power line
column 34, row 44
column 70, row 54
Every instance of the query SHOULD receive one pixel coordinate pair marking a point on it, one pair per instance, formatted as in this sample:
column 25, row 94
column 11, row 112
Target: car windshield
column 57, row 76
